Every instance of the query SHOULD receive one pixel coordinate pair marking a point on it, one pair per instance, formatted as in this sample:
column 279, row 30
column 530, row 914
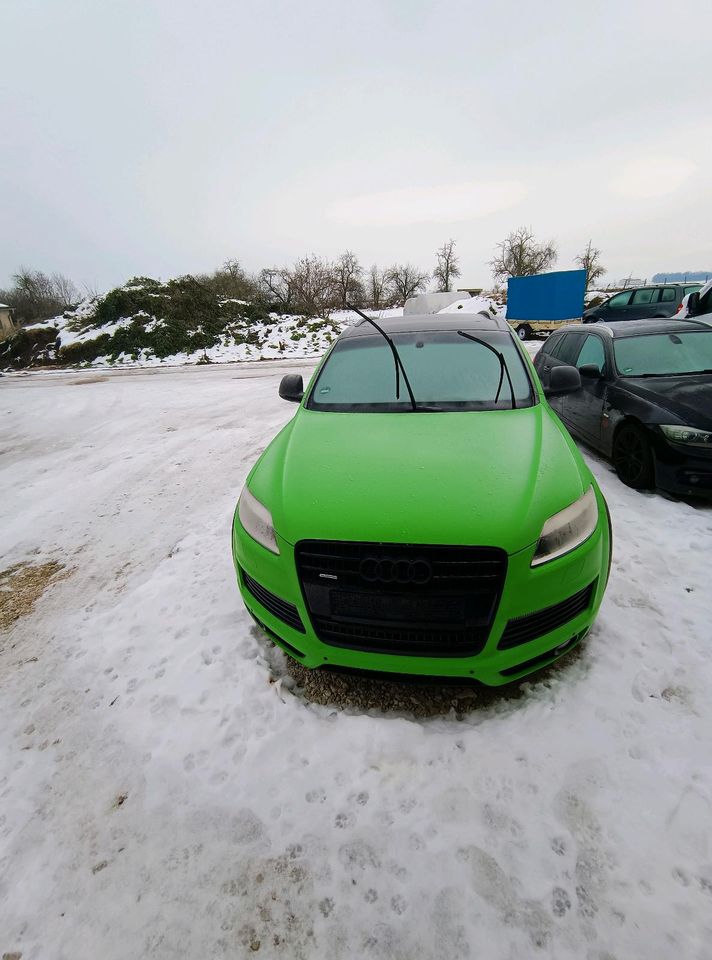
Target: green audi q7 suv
column 425, row 511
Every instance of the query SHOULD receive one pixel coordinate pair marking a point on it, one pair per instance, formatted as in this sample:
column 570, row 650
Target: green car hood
column 489, row 478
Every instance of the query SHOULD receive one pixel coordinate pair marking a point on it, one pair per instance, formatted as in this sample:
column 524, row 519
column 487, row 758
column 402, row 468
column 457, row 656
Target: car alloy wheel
column 633, row 458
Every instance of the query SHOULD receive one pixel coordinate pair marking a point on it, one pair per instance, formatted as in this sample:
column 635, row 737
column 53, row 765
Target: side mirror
column 291, row 387
column 591, row 371
column 563, row 380
column 693, row 302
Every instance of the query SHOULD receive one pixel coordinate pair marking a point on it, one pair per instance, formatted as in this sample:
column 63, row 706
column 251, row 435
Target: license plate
column 397, row 608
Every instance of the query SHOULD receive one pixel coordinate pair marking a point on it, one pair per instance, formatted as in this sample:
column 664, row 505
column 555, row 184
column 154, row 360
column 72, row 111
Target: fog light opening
column 565, row 644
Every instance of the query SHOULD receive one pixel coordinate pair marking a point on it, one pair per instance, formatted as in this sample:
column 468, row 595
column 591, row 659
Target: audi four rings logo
column 387, row 570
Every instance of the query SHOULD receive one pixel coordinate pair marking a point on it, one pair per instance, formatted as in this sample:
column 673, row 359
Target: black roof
column 636, row 328
column 414, row 323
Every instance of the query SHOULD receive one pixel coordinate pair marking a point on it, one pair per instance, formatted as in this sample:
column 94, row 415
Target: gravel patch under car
column 414, row 696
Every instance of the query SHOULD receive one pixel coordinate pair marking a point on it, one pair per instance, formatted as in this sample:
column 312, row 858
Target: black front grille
column 435, row 601
column 285, row 611
column 533, row 625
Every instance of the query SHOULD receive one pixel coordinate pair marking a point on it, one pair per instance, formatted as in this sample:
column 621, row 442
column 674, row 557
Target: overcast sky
column 160, row 138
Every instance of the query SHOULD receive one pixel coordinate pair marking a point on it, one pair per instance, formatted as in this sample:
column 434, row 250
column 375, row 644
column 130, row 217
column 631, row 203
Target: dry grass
column 21, row 586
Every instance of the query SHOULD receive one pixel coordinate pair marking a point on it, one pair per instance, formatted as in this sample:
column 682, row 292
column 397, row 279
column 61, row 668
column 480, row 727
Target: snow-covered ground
column 162, row 797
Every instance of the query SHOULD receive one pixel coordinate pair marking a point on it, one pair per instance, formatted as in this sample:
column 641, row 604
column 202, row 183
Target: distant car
column 639, row 303
column 697, row 305
column 645, row 400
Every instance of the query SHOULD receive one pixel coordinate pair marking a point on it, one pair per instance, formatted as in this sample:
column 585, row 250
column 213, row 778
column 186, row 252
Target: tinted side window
column 667, row 295
column 690, row 290
column 620, row 300
column 558, row 344
column 551, row 343
column 644, row 296
column 592, row 351
column 570, row 348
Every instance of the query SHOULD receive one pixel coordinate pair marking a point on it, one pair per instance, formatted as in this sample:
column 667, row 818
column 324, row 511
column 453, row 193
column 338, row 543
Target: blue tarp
column 546, row 296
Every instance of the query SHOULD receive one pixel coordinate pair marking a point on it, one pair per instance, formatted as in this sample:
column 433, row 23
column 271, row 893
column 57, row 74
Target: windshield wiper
column 502, row 366
column 396, row 357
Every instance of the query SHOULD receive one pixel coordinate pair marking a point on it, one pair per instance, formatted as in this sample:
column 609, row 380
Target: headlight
column 257, row 520
column 691, row 435
column 567, row 529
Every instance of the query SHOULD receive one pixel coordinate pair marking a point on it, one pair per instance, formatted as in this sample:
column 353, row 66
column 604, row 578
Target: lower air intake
column 279, row 608
column 533, row 625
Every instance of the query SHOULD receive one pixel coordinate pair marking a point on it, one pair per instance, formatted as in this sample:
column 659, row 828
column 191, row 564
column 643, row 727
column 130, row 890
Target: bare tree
column 590, row 261
column 406, row 280
column 520, row 255
column 447, row 266
column 230, row 281
column 377, row 288
column 233, row 278
column 276, row 285
column 64, row 290
column 314, row 287
column 35, row 295
column 347, row 278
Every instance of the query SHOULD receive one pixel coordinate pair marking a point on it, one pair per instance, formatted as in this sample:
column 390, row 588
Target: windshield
column 447, row 373
column 664, row 354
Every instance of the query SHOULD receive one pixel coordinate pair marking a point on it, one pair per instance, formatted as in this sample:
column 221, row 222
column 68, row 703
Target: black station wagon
column 645, row 399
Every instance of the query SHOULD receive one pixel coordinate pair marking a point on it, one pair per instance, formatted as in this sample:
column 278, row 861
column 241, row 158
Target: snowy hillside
column 148, row 323
column 276, row 336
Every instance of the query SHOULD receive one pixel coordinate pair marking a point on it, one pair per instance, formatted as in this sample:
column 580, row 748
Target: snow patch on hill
column 475, row 305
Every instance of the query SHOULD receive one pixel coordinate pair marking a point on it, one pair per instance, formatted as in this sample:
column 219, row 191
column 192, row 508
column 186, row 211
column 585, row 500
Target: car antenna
column 396, row 356
column 502, row 365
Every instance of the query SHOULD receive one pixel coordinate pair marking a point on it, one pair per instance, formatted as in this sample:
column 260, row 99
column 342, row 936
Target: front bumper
column 683, row 470
column 526, row 591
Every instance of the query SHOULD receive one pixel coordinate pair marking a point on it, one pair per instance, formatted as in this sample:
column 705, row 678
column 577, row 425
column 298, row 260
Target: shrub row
column 180, row 316
column 28, row 348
